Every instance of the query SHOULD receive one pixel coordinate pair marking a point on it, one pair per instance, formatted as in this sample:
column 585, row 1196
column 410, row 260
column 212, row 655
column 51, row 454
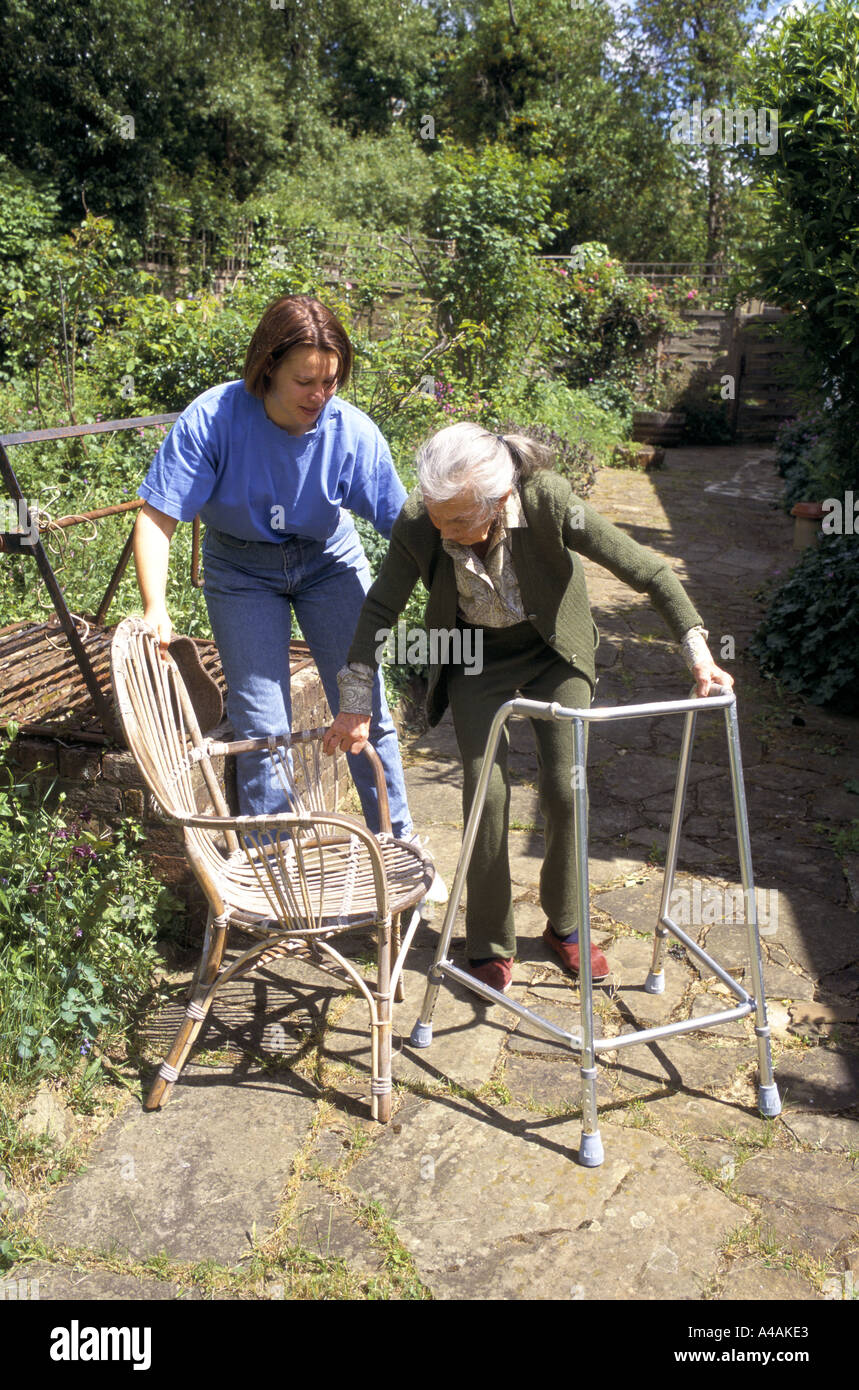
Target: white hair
column 467, row 458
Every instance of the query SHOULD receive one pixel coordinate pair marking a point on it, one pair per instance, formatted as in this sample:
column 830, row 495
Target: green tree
column 549, row 77
column 28, row 214
column 380, row 62
column 496, row 207
column 103, row 96
column 700, row 47
column 507, row 57
column 808, row 69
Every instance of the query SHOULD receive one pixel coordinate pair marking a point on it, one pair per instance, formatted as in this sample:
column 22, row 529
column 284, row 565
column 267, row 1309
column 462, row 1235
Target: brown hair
column 296, row 320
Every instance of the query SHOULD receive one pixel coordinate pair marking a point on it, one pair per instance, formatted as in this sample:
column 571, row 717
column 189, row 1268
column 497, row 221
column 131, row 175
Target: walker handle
column 714, row 691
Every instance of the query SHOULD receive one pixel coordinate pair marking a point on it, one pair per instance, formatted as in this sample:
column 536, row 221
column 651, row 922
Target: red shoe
column 497, row 973
column 568, row 953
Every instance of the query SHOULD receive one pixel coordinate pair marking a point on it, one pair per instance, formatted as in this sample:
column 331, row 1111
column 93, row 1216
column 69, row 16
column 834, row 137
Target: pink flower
column 348, row 284
column 563, row 272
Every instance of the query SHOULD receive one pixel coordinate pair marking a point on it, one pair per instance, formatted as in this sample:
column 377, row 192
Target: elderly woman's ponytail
column 529, row 454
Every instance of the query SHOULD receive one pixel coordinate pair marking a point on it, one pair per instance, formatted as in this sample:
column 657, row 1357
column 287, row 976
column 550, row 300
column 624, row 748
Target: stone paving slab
column 824, row 1079
column 507, row 1215
column 322, row 1224
column 467, row 1033
column 700, row 1115
column 711, row 1003
column 529, row 1040
column 758, row 1284
column 552, row 1083
column 824, row 1131
column 780, row 983
column 811, row 1207
column 820, row 938
column 185, row 1180
column 630, row 959
column 681, row 1063
column 53, row 1282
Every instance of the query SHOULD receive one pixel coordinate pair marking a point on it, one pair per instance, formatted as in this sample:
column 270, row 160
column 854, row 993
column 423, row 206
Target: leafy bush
column 496, row 207
column 576, row 416
column 608, row 321
column 809, row 639
column 707, row 420
column 78, row 921
column 67, row 296
column 367, row 181
column 810, row 458
column 28, row 213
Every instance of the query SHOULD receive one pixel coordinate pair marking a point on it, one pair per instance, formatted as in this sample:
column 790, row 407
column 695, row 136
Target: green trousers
column 516, row 661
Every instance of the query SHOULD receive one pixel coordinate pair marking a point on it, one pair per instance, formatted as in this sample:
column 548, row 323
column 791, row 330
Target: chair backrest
column 307, row 867
column 160, row 725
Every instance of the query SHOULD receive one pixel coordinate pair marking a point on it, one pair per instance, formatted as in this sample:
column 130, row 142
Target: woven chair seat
column 340, row 889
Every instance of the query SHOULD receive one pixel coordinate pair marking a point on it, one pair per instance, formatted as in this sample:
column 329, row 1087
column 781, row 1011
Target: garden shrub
column 810, row 457
column 79, row 916
column 576, row 416
column 809, row 639
column 28, row 213
column 496, row 207
column 805, row 68
column 608, row 321
column 707, row 419
column 368, row 180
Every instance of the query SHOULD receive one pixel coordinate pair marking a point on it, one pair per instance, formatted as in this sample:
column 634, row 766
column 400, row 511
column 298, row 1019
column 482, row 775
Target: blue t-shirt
column 226, row 460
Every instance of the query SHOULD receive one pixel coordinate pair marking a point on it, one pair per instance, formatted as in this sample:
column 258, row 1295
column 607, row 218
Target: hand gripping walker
column 587, row 1046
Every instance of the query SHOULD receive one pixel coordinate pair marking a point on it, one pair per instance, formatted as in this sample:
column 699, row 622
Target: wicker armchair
column 295, row 881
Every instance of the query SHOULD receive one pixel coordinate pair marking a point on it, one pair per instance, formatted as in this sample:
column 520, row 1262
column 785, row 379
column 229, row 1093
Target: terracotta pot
column 806, row 524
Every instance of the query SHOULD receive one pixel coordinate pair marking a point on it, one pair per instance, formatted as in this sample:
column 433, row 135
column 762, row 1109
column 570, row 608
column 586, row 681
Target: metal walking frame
column 587, row 1046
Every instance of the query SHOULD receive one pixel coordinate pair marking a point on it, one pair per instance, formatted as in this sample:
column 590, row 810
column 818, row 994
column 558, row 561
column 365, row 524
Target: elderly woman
column 274, row 463
column 496, row 535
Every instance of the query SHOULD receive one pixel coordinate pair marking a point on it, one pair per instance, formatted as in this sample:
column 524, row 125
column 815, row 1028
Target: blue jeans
column 251, row 588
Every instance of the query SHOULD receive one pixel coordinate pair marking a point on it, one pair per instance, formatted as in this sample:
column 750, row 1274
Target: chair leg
column 399, row 993
column 381, row 1049
column 168, row 1075
column 195, row 1013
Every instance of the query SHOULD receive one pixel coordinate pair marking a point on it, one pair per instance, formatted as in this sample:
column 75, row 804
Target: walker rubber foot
column 655, row 984
column 591, row 1153
column 421, row 1035
column 769, row 1102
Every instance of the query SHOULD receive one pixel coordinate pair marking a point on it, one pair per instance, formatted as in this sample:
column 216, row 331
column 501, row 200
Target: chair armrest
column 287, row 820
column 260, row 745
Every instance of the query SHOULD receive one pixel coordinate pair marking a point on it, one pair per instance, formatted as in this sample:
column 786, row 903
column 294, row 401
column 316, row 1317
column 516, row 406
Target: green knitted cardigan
column 551, row 579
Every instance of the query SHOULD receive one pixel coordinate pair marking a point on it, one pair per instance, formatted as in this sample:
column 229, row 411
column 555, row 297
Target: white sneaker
column 437, row 892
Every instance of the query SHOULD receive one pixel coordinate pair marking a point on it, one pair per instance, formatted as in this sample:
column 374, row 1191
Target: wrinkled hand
column 348, row 734
column 707, row 673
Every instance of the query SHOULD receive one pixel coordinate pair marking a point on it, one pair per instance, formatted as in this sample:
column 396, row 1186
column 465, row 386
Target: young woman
column 495, row 534
column 274, row 464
